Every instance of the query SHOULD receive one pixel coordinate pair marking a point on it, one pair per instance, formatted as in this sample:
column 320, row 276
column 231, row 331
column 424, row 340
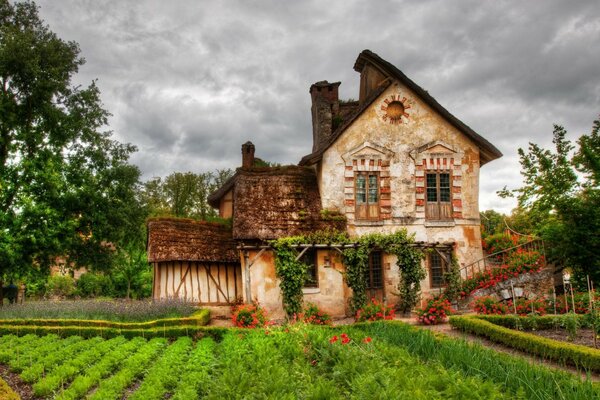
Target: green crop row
column 93, row 375
column 31, row 354
column 196, row 373
column 67, row 371
column 163, row 375
column 199, row 318
column 566, row 353
column 132, row 369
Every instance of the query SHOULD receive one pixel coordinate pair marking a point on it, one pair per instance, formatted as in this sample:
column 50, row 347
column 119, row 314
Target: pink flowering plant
column 374, row 311
column 435, row 311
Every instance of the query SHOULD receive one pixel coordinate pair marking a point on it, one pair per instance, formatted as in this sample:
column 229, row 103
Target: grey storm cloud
column 188, row 82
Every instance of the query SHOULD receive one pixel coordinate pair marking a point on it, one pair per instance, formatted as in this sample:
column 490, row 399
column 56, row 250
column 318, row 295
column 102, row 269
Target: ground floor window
column 374, row 274
column 309, row 258
column 437, row 268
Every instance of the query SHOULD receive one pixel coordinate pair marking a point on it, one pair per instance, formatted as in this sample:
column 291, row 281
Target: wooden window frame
column 443, row 269
column 438, row 204
column 372, row 209
column 370, row 276
column 311, row 254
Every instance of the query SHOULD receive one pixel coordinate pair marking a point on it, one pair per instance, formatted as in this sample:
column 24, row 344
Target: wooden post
column 589, row 292
column 247, row 276
column 513, row 296
column 554, row 296
column 572, row 298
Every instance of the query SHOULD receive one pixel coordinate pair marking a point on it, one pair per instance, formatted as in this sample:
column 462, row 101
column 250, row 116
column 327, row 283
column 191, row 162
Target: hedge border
column 171, row 332
column 199, row 318
column 6, row 392
column 531, row 323
column 565, row 353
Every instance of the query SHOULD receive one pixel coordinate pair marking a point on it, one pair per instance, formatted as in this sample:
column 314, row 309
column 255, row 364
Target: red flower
column 367, row 339
column 333, row 339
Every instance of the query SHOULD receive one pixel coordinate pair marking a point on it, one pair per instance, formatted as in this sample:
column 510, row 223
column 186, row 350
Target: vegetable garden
column 370, row 360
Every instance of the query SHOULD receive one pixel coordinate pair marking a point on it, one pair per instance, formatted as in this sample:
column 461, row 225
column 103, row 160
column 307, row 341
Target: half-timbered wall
column 204, row 283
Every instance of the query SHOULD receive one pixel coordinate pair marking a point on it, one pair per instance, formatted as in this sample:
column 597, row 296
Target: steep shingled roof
column 179, row 239
column 488, row 151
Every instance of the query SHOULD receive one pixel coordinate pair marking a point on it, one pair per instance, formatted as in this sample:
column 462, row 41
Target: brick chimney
column 325, row 107
column 247, row 155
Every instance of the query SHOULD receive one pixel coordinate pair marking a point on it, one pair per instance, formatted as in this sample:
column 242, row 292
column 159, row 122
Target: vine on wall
column 292, row 272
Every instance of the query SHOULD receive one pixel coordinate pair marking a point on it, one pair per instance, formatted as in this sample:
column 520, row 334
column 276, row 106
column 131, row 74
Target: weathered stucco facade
column 395, row 159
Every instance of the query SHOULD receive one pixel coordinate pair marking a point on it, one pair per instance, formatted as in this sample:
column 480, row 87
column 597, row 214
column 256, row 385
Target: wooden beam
column 182, row 280
column 206, row 267
column 302, row 253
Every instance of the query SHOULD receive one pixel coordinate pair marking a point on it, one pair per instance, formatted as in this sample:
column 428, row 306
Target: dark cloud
column 189, row 81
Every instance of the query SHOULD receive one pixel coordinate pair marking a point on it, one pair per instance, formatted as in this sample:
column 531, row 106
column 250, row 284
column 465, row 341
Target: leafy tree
column 183, row 194
column 562, row 206
column 66, row 188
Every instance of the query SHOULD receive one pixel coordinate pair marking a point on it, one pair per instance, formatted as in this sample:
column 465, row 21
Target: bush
column 92, row 284
column 489, row 305
column 564, row 303
column 435, row 311
column 374, row 311
column 248, row 316
column 527, row 307
column 60, row 286
column 312, row 315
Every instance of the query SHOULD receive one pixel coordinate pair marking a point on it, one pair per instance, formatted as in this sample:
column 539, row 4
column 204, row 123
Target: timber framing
column 421, row 245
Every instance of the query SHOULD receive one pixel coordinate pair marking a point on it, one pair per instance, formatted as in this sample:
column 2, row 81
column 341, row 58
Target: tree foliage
column 66, row 187
column 560, row 200
column 183, row 194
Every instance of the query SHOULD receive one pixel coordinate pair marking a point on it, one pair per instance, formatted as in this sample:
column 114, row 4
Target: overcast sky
column 188, row 82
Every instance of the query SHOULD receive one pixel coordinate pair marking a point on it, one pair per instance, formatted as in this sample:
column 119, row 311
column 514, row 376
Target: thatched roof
column 488, row 151
column 178, row 239
column 273, row 202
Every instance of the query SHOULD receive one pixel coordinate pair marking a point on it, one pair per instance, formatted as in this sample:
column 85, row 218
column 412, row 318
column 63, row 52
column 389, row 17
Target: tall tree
column 183, row 194
column 562, row 205
column 66, row 188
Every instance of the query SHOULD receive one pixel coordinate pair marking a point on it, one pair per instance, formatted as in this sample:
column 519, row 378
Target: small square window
column 309, row 259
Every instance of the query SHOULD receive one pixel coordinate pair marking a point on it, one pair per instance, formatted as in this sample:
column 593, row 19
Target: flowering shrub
column 374, row 311
column 520, row 262
column 489, row 305
column 435, row 311
column 525, row 307
column 248, row 316
column 312, row 315
column 498, row 242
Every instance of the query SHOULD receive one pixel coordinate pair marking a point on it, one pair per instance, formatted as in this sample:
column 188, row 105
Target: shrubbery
column 248, row 316
column 312, row 315
column 435, row 311
column 375, row 311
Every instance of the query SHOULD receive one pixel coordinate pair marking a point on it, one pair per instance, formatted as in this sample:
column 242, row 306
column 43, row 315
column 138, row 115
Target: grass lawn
column 387, row 360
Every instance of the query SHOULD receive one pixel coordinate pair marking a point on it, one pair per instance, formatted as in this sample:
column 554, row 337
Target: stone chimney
column 247, row 155
column 325, row 107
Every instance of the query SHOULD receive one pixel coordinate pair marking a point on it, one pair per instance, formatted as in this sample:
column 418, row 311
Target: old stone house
column 393, row 159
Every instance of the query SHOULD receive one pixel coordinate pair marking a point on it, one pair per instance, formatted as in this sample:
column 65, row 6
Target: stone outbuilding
column 394, row 159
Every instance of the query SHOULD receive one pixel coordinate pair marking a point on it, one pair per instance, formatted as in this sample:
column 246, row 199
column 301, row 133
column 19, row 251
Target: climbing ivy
column 453, row 281
column 292, row 272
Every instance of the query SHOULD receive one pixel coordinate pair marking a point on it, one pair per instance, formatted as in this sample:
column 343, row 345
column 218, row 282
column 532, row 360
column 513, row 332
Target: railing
column 501, row 258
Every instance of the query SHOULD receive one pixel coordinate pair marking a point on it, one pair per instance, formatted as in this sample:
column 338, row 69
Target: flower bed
column 520, row 262
column 435, row 311
column 375, row 311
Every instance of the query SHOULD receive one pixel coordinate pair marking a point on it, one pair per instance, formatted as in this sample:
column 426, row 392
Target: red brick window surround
column 438, row 182
column 367, row 192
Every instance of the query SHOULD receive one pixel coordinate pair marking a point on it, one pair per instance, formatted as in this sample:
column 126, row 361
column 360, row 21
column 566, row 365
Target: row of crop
column 199, row 318
column 371, row 360
column 566, row 353
column 516, row 375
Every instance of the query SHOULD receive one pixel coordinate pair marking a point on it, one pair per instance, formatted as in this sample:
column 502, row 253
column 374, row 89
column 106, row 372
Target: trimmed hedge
column 532, row 323
column 566, row 353
column 6, row 393
column 199, row 318
column 92, row 331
